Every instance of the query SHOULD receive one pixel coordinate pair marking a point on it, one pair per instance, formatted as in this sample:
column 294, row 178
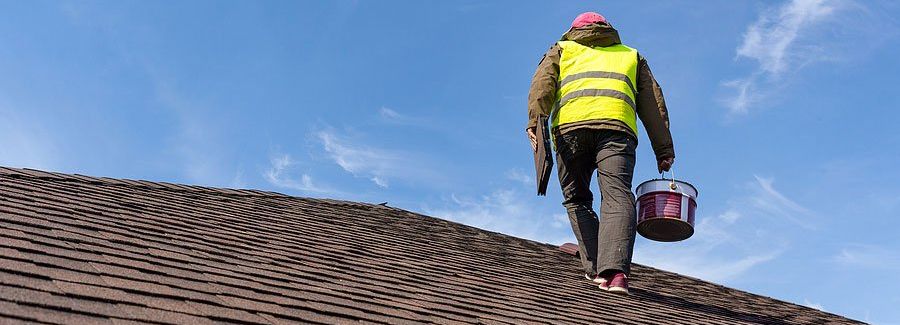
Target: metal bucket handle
column 672, row 185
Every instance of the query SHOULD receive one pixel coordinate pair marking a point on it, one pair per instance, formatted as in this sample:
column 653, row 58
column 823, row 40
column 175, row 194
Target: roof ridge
column 32, row 173
column 131, row 183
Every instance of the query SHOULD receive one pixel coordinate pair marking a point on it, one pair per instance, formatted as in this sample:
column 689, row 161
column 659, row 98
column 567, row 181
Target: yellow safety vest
column 596, row 83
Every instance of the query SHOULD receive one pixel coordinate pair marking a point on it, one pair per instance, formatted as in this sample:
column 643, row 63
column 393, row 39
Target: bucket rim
column 681, row 182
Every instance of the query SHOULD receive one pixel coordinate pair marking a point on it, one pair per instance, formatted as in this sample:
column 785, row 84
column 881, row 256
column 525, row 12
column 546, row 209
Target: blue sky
column 783, row 114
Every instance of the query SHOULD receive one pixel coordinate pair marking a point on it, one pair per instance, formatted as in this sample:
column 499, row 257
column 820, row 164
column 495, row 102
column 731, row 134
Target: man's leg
column 615, row 169
column 585, row 226
column 575, row 168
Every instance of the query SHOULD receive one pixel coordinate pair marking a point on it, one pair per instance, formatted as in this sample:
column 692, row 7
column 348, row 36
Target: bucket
column 665, row 209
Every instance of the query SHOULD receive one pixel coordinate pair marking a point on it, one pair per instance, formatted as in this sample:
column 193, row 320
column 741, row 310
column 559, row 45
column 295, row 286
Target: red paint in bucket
column 665, row 209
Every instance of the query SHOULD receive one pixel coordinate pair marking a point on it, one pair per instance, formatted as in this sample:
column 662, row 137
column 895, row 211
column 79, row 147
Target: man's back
column 650, row 105
column 594, row 89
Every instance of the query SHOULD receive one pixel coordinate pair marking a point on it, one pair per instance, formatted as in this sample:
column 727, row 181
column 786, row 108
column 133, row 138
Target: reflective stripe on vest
column 596, row 83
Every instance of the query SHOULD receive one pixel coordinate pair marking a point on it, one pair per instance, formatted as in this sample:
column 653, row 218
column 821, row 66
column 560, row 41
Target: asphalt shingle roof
column 87, row 250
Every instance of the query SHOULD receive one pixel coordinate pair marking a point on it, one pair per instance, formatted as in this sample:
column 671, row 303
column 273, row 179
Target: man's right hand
column 533, row 138
column 665, row 164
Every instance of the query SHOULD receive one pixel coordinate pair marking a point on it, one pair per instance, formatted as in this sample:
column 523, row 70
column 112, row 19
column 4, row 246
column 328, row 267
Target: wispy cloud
column 813, row 305
column 372, row 163
column 771, row 40
column 278, row 175
column 24, row 144
column 749, row 233
column 860, row 256
column 518, row 175
column 560, row 221
column 774, row 204
column 720, row 251
column 197, row 143
column 381, row 166
column 507, row 211
column 388, row 114
column 394, row 117
column 238, row 180
column 746, row 94
column 435, row 128
column 778, row 41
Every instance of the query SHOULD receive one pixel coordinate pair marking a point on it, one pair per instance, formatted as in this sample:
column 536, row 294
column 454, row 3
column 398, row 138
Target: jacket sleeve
column 542, row 95
column 651, row 108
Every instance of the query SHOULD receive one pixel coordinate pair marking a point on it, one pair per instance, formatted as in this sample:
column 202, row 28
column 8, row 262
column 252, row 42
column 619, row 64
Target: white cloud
column 277, row 175
column 379, row 181
column 771, row 39
column 719, row 251
column 376, row 164
column 730, row 216
column 389, row 114
column 747, row 94
column 750, row 232
column 860, row 256
column 518, row 175
column 507, row 211
column 772, row 203
column 372, row 163
column 723, row 269
column 23, row 143
column 813, row 305
column 781, row 39
column 561, row 220
column 197, row 143
column 394, row 117
column 238, row 180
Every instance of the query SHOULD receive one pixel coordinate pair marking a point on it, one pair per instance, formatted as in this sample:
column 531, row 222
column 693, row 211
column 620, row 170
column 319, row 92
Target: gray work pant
column 605, row 244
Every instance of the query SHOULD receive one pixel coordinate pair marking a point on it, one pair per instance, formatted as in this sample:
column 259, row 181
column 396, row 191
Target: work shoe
column 604, row 284
column 618, row 283
column 596, row 279
column 603, row 281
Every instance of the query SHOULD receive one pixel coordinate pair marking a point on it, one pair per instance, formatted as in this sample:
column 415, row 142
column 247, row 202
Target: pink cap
column 588, row 18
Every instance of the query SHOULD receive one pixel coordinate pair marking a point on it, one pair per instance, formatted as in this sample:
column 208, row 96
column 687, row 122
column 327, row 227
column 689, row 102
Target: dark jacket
column 651, row 107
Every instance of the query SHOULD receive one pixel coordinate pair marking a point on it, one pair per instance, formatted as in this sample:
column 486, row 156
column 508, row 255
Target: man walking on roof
column 594, row 89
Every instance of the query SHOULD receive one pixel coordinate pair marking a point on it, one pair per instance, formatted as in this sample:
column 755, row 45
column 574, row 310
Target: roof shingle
column 88, row 250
